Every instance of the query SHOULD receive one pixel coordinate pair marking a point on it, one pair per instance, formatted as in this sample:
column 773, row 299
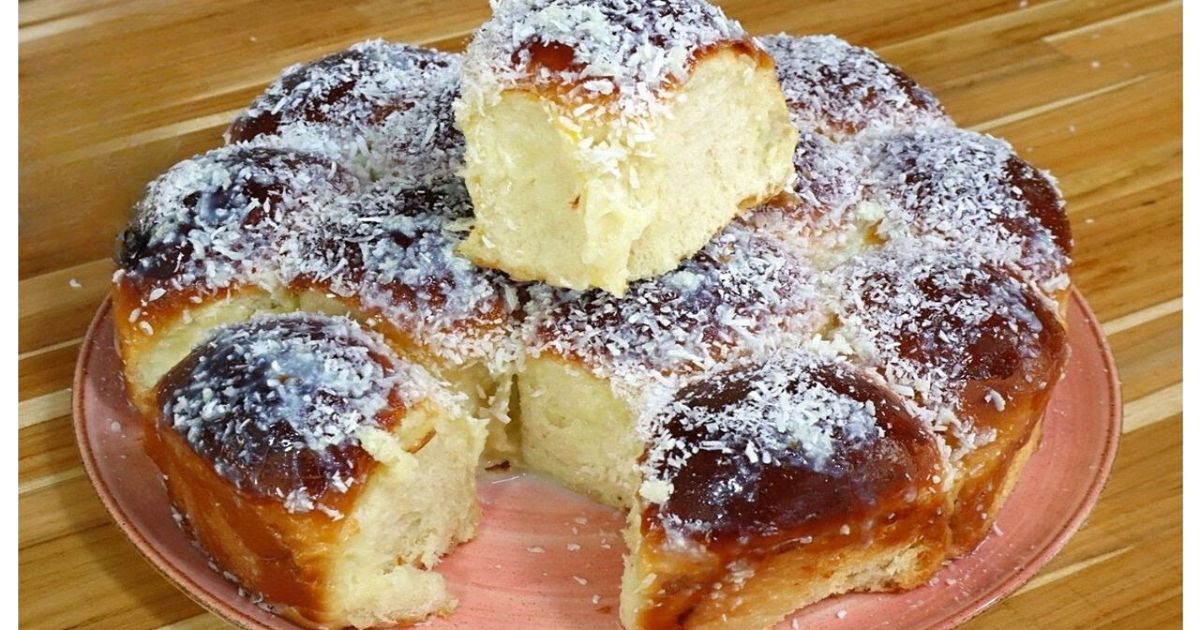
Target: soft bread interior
column 535, row 168
column 487, row 393
column 731, row 125
column 418, row 504
column 575, row 429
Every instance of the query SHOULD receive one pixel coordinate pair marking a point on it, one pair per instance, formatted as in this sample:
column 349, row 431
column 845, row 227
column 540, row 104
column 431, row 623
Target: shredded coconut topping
column 773, row 411
column 740, row 294
column 274, row 218
column 619, row 53
column 383, row 109
column 394, row 252
column 343, row 181
column 216, row 219
column 277, row 403
column 972, row 191
column 932, row 322
column 838, row 89
column 829, row 185
column 734, row 444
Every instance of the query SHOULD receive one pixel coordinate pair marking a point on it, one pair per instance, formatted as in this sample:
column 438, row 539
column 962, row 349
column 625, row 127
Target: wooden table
column 112, row 93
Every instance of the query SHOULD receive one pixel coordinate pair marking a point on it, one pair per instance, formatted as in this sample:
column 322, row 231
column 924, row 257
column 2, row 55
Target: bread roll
column 609, row 139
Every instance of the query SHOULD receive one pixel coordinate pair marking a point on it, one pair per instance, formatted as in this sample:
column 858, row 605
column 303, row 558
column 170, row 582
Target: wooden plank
column 46, row 449
column 110, row 585
column 47, row 369
column 57, row 306
column 1139, row 516
column 1150, row 355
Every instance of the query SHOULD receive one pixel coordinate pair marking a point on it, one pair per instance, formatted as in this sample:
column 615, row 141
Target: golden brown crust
column 825, row 464
column 276, row 553
column 258, row 433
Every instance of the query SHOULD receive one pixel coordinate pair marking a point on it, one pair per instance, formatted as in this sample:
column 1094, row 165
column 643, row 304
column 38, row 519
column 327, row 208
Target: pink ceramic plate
column 546, row 558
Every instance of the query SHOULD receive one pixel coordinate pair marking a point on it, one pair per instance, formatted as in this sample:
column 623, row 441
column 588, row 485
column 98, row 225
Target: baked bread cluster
column 832, row 391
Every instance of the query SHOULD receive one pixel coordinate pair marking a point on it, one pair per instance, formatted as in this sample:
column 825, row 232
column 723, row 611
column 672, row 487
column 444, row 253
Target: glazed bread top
column 743, row 292
column 614, row 57
column 947, row 297
column 216, row 219
column 790, row 445
column 392, row 252
column 384, row 108
column 973, row 191
column 840, row 90
column 277, row 404
column 957, row 336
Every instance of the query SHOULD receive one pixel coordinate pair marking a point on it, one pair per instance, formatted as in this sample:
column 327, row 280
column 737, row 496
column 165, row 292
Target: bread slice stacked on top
column 607, row 141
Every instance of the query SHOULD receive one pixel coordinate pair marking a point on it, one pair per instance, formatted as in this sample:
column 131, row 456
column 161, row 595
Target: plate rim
column 217, row 606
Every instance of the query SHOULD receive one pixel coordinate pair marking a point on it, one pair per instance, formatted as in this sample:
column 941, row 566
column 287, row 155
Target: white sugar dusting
column 255, row 397
column 838, row 89
column 383, row 109
column 622, row 53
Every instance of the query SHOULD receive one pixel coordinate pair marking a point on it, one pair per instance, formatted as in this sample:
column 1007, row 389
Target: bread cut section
column 608, row 140
column 317, row 469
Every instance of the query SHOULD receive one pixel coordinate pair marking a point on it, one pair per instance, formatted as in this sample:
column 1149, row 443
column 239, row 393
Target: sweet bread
column 383, row 108
column 835, row 391
column 791, row 479
column 596, row 365
column 249, row 229
column 609, row 139
column 318, row 468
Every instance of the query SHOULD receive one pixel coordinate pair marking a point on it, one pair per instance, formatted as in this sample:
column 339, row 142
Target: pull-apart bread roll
column 781, row 481
column 205, row 246
column 609, row 139
column 317, row 469
column 245, row 229
column 385, row 109
column 973, row 349
column 597, row 363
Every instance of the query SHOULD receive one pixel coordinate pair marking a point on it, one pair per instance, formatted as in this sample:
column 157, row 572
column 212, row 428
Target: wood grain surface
column 112, row 93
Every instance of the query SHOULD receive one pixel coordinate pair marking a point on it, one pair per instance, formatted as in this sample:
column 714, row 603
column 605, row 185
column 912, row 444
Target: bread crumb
column 75, row 284
column 841, row 614
column 581, row 581
column 573, row 547
column 535, row 550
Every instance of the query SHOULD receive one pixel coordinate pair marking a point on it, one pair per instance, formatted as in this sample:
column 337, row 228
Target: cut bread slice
column 349, row 474
column 582, row 178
